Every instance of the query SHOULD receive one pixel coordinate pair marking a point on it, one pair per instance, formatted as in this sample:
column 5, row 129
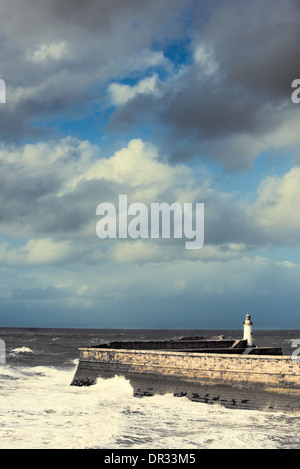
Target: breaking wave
column 39, row 409
column 17, row 350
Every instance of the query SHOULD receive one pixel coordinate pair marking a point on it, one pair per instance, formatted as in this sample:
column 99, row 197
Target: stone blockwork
column 270, row 382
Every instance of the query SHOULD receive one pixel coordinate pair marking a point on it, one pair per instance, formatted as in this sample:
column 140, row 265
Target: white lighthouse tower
column 248, row 330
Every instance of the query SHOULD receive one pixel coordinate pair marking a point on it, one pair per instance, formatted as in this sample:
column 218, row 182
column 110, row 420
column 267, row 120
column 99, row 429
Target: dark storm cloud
column 34, row 19
column 37, row 196
column 257, row 43
column 36, row 210
column 55, row 56
column 58, row 58
column 240, row 87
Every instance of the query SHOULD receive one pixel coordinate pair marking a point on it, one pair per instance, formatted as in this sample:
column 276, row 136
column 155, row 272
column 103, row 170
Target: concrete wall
column 234, row 376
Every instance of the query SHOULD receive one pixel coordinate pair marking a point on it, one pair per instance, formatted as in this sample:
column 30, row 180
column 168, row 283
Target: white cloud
column 287, row 264
column 120, row 93
column 145, row 251
column 45, row 52
column 276, row 209
column 138, row 166
column 51, row 190
column 38, row 252
column 204, row 58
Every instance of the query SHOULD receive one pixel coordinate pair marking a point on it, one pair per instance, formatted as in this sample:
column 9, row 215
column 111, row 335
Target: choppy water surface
column 39, row 408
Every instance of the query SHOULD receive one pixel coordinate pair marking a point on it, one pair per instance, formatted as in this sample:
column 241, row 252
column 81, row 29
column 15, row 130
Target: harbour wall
column 257, row 382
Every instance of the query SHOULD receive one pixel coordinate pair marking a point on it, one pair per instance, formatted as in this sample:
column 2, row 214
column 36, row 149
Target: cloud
column 233, row 98
column 171, row 87
column 50, row 191
column 53, row 261
column 120, row 94
column 35, row 197
column 138, row 167
column 57, row 59
column 38, row 252
column 53, row 51
column 227, row 100
column 276, row 208
column 177, row 294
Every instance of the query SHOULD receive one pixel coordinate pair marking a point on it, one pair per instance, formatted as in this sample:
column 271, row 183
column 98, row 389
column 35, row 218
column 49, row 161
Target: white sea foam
column 21, row 350
column 39, row 409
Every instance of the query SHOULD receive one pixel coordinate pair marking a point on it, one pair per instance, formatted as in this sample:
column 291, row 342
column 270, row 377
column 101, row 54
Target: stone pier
column 233, row 380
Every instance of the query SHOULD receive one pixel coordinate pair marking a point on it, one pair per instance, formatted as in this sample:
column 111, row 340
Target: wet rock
column 83, row 382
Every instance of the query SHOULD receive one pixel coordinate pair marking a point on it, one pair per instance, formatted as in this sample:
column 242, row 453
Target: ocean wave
column 17, row 350
column 42, row 410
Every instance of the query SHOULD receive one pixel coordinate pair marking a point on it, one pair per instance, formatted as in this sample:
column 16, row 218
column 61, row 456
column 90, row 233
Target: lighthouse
column 248, row 330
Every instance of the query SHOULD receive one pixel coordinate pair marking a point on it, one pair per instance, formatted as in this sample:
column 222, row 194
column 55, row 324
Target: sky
column 164, row 101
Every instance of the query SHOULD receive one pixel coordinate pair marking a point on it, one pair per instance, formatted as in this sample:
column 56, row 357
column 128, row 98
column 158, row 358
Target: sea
column 40, row 410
